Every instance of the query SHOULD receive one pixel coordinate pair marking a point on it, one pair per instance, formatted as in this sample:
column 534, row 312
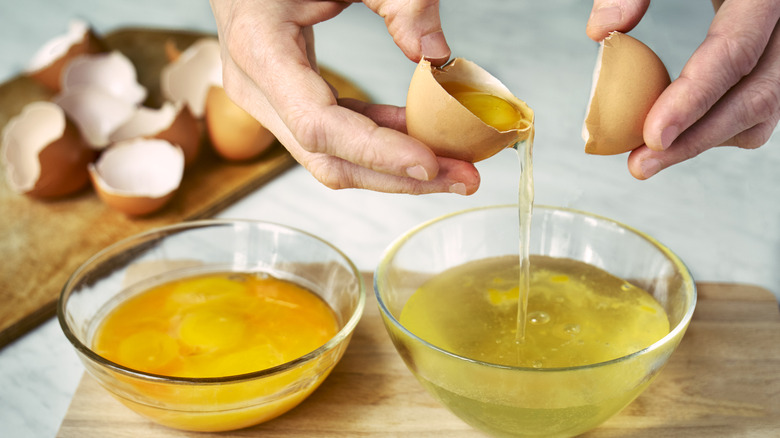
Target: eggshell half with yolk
column 444, row 124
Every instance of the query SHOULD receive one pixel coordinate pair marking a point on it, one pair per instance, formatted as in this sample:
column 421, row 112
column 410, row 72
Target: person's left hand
column 728, row 93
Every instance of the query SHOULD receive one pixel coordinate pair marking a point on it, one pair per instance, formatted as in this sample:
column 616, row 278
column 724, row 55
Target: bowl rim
column 344, row 333
column 681, row 326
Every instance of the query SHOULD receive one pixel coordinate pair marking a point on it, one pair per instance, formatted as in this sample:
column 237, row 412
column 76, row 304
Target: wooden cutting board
column 723, row 381
column 42, row 243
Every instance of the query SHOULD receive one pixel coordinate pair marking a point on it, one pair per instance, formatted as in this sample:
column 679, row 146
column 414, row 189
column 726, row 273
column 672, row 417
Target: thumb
column 415, row 27
column 610, row 15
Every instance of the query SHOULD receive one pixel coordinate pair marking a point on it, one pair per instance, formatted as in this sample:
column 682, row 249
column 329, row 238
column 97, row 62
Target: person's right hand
column 270, row 70
column 728, row 93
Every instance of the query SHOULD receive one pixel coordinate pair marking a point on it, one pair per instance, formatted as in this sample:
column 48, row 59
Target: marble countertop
column 720, row 211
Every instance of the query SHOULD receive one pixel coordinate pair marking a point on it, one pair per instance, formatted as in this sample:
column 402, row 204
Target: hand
column 270, row 70
column 728, row 93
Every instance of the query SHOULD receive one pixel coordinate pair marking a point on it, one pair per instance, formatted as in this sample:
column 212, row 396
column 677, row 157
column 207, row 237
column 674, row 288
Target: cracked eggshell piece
column 113, row 72
column 439, row 120
column 234, row 134
column 96, row 112
column 138, row 177
column 171, row 122
column 188, row 78
column 627, row 80
column 43, row 152
column 48, row 63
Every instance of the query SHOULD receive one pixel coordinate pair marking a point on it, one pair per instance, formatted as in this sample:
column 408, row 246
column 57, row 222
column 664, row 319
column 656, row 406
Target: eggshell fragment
column 113, row 72
column 138, row 177
column 234, row 133
column 96, row 112
column 44, row 153
column 437, row 119
column 627, row 80
column 188, row 78
column 171, row 122
column 48, row 63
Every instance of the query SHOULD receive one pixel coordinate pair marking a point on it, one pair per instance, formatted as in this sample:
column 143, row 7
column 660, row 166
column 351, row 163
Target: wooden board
column 44, row 242
column 723, row 381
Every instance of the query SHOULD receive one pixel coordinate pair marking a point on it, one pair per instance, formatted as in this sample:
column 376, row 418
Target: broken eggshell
column 138, row 177
column 96, row 112
column 627, row 80
column 189, row 76
column 439, row 120
column 233, row 132
column 113, row 72
column 48, row 63
column 44, row 153
column 171, row 122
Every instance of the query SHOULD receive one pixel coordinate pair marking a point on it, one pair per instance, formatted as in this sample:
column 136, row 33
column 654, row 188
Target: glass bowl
column 532, row 402
column 214, row 403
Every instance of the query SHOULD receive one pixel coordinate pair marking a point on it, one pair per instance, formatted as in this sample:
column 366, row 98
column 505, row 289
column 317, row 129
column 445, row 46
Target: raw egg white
column 627, row 80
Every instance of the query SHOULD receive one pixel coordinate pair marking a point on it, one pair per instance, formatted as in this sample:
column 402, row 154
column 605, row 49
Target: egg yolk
column 215, row 325
column 492, row 110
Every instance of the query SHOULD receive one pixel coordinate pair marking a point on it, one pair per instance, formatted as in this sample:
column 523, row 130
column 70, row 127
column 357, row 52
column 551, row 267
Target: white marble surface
column 720, row 212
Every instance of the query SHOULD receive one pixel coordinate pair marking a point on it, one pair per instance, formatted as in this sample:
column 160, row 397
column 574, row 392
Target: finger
column 614, row 15
column 737, row 37
column 454, row 176
column 389, row 116
column 304, row 114
column 644, row 162
column 415, row 27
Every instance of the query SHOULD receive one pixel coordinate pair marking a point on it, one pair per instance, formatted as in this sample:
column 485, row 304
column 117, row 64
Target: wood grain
column 44, row 242
column 723, row 381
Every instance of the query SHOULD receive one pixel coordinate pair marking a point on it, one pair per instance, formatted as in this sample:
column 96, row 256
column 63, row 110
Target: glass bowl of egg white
column 213, row 325
column 551, row 351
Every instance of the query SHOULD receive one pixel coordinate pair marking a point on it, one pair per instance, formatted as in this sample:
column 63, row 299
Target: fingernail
column 458, row 188
column 434, row 47
column 650, row 167
column 417, row 172
column 606, row 16
column 669, row 135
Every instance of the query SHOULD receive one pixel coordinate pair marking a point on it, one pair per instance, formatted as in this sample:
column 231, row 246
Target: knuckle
column 754, row 137
column 762, row 101
column 305, row 129
column 330, row 174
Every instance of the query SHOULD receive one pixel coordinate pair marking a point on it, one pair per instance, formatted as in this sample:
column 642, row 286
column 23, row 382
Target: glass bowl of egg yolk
column 213, row 325
column 605, row 307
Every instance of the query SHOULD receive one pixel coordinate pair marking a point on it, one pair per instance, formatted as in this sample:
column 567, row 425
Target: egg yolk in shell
column 491, row 109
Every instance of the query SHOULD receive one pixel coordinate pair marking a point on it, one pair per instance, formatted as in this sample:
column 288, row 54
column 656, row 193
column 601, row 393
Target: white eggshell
column 43, row 153
column 171, row 122
column 113, row 72
column 96, row 112
column 188, row 78
column 138, row 176
column 48, row 63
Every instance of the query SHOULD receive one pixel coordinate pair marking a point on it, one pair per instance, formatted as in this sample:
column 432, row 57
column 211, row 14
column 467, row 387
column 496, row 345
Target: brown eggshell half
column 437, row 119
column 627, row 80
column 44, row 153
column 171, row 122
column 48, row 63
column 234, row 133
column 138, row 177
